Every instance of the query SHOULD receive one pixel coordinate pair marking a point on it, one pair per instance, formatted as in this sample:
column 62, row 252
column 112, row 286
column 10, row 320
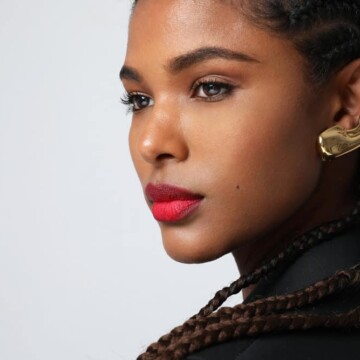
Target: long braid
column 327, row 34
column 340, row 281
column 242, row 326
column 206, row 316
column 337, row 283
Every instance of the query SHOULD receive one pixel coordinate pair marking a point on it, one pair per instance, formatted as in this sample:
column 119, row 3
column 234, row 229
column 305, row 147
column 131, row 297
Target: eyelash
column 129, row 98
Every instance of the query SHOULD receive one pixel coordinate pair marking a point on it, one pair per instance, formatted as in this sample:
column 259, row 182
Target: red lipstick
column 170, row 203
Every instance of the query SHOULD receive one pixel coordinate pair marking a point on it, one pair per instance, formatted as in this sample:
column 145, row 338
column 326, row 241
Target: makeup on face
column 217, row 111
column 171, row 203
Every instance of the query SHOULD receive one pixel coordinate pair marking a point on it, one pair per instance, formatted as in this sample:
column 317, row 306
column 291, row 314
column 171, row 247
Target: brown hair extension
column 268, row 314
column 259, row 309
column 340, row 281
column 242, row 326
column 336, row 283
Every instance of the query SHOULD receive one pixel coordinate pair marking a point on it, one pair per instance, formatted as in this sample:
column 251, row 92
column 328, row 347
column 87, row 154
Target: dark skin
column 225, row 109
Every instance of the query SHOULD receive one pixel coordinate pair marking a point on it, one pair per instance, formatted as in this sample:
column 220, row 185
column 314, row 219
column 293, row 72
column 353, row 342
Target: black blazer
column 341, row 252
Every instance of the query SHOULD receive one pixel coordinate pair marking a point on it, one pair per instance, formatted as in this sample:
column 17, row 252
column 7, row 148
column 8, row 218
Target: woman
column 238, row 108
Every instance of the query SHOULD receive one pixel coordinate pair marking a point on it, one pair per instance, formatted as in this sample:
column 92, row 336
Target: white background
column 83, row 274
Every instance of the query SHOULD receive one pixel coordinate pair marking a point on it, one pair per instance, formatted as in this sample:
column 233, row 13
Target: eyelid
column 138, row 93
column 229, row 87
column 211, row 79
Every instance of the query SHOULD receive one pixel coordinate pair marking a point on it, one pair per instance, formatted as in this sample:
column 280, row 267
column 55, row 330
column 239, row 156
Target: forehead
column 164, row 29
column 186, row 23
column 194, row 15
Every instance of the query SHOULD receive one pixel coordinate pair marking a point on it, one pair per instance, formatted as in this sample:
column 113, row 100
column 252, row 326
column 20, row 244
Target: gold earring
column 338, row 141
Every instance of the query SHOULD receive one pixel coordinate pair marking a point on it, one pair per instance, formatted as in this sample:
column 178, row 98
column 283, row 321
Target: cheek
column 256, row 170
column 274, row 181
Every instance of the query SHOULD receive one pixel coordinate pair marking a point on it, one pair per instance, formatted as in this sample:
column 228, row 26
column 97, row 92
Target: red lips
column 170, row 203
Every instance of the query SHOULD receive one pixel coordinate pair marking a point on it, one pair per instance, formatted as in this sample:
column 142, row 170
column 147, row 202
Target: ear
column 348, row 85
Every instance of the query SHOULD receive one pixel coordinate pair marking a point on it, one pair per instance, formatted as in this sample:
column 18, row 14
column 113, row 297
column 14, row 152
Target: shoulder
column 309, row 345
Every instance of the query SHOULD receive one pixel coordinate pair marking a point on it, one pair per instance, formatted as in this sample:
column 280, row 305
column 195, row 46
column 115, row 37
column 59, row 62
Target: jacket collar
column 323, row 260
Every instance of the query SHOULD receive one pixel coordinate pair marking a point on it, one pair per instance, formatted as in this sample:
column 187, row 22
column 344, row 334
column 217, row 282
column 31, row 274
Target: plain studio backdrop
column 83, row 275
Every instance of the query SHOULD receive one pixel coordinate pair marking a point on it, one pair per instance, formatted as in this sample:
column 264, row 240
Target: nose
column 162, row 139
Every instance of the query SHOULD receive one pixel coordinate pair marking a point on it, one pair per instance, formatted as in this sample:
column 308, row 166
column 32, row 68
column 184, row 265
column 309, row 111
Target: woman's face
column 221, row 109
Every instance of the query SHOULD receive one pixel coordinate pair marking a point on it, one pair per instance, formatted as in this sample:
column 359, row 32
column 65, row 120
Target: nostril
column 164, row 157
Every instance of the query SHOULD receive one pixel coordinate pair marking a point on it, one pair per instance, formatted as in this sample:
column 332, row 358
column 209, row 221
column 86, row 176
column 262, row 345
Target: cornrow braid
column 305, row 13
column 325, row 32
column 207, row 317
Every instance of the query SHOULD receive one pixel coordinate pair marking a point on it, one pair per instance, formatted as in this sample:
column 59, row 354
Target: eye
column 212, row 90
column 137, row 101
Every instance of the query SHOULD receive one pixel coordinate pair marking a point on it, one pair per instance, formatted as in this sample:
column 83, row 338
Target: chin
column 188, row 248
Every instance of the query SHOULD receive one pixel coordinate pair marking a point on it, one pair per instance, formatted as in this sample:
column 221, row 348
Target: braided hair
column 327, row 34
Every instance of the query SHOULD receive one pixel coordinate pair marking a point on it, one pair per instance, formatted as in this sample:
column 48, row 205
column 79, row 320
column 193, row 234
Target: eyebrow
column 129, row 73
column 189, row 59
column 197, row 56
